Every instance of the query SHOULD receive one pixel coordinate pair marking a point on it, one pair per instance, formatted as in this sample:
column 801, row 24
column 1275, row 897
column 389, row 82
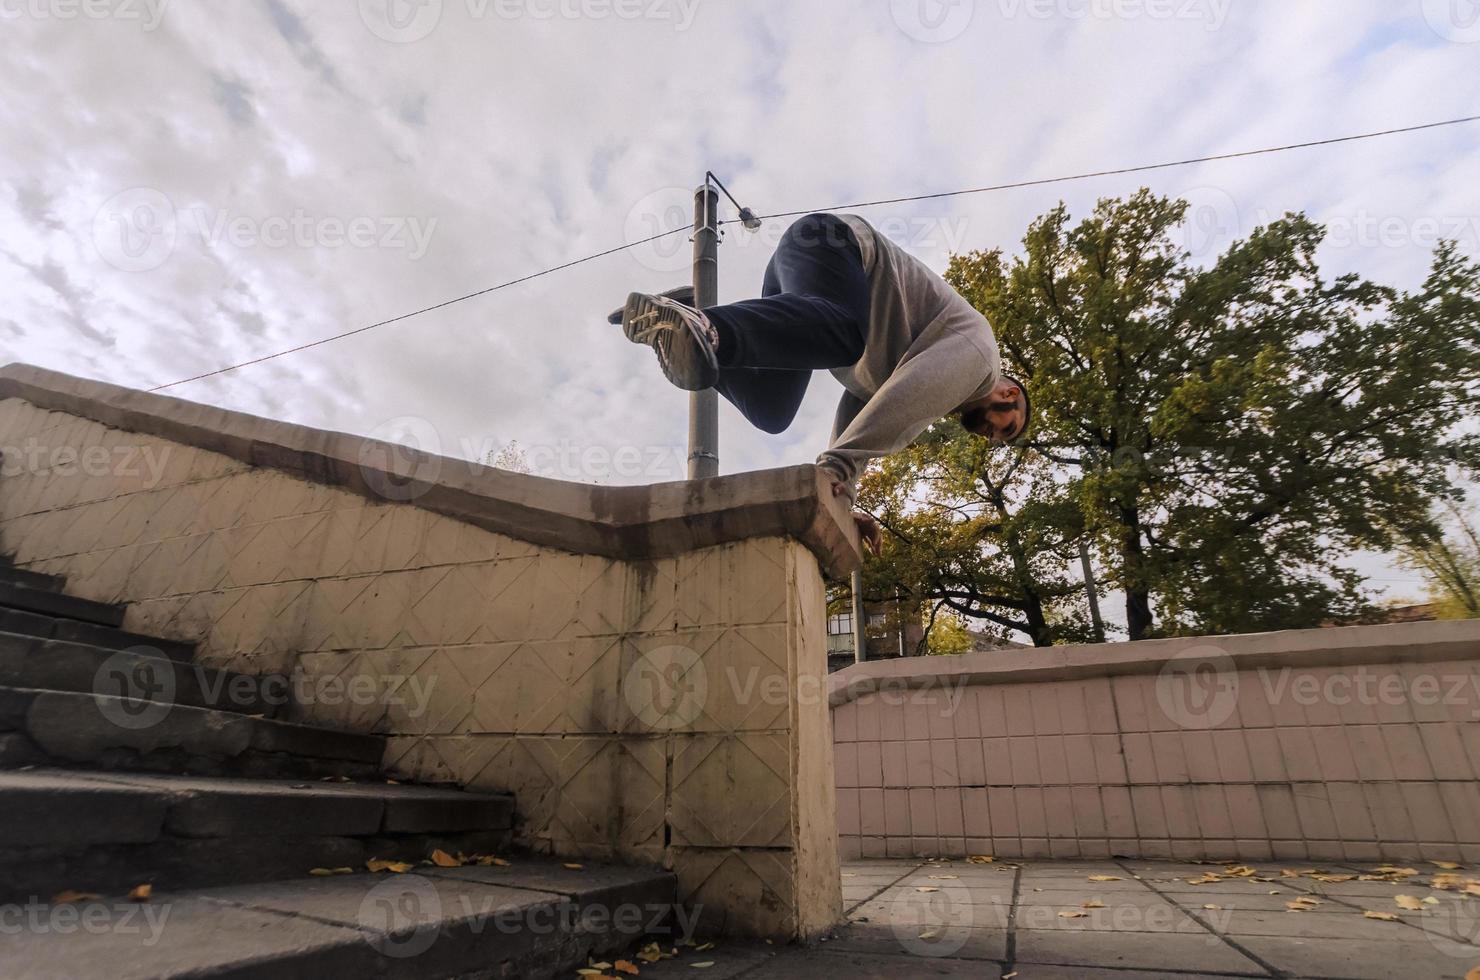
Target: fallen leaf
column 926, row 888
column 943, row 877
column 1388, row 869
column 1213, row 908
column 1474, row 974
column 1446, row 865
column 1009, row 976
column 326, row 872
column 1333, row 879
column 1104, row 878
column 444, row 860
column 378, row 865
column 1408, row 902
column 1430, row 900
column 488, row 860
column 1381, row 916
column 575, row 867
column 702, row 966
column 71, row 897
column 1093, row 903
column 141, row 893
column 1072, row 914
column 930, row 934
column 1240, row 871
column 627, row 967
column 1302, row 904
column 980, row 859
column 703, row 947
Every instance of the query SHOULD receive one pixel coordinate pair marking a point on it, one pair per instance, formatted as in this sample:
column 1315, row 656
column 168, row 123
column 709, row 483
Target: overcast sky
column 193, row 183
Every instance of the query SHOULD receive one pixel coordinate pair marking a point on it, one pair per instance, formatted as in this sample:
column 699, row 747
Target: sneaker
column 682, row 337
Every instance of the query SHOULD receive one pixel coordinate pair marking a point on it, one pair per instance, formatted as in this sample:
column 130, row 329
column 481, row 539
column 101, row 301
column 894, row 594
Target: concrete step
column 140, row 672
column 534, row 919
column 28, row 579
column 58, row 628
column 95, row 831
column 72, row 728
column 57, row 604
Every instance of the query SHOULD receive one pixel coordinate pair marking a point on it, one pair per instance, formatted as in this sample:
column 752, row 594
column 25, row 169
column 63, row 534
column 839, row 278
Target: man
column 840, row 296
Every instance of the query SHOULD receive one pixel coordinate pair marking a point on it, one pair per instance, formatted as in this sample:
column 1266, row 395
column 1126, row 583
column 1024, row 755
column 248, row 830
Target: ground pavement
column 1054, row 920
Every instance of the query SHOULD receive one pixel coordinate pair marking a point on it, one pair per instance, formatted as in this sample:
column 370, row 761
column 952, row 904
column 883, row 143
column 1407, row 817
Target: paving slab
column 1203, row 953
column 1359, row 959
column 176, row 937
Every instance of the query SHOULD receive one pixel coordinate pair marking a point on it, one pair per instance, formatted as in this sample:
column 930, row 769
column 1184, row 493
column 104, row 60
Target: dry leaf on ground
column 1381, row 916
column 1104, row 878
column 1409, row 902
column 444, row 860
column 1073, row 914
column 141, row 893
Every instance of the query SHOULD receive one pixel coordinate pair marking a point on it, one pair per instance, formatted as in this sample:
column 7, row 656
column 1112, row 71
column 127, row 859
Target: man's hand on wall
column 869, row 530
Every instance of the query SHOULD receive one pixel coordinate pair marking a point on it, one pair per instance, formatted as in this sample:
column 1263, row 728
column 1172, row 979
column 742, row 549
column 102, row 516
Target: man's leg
column 812, row 315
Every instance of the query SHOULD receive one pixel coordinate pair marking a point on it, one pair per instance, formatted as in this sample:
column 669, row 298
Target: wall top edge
column 625, row 522
column 1347, row 646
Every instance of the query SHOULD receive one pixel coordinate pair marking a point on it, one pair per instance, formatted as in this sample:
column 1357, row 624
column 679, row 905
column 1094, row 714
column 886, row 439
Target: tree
column 1223, row 436
column 1450, row 565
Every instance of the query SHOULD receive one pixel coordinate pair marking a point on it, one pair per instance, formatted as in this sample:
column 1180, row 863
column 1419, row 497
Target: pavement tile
column 1174, row 951
column 1359, row 959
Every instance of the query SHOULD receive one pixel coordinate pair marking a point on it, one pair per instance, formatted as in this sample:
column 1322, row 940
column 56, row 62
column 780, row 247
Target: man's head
column 1002, row 415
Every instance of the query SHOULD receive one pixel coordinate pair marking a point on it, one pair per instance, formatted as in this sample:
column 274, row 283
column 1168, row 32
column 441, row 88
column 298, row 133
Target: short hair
column 1027, row 405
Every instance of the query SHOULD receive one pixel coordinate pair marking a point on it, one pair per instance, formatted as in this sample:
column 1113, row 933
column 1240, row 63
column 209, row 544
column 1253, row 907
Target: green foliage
column 1450, row 565
column 1222, row 436
column 948, row 636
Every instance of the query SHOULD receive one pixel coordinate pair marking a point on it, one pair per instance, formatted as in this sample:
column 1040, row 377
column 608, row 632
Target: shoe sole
column 683, row 356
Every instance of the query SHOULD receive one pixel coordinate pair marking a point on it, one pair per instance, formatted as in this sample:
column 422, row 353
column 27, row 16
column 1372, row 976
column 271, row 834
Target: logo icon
column 661, row 211
column 1454, row 20
column 933, row 21
column 401, row 21
column 136, row 230
column 400, row 458
column 1198, row 688
column 401, row 915
column 1212, row 223
column 935, row 923
column 667, row 688
column 137, row 688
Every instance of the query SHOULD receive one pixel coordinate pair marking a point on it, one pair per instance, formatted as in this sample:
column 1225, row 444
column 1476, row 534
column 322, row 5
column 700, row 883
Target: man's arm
column 923, row 388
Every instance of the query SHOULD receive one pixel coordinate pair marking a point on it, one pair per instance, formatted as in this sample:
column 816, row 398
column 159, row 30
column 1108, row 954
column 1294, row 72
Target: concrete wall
column 628, row 703
column 1359, row 744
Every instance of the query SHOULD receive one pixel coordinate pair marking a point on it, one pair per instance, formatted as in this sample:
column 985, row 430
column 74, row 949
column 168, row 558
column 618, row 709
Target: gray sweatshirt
column 928, row 352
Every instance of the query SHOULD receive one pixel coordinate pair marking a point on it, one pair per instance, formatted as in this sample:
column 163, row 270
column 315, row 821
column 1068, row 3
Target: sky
column 193, row 183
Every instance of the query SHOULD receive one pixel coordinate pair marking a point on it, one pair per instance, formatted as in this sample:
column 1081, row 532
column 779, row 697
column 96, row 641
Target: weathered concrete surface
column 628, row 661
column 619, row 522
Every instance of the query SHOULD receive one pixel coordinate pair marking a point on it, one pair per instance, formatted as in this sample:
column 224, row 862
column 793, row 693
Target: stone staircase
column 123, row 763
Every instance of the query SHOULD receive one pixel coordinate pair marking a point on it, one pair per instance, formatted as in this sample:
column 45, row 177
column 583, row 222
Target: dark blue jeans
column 812, row 315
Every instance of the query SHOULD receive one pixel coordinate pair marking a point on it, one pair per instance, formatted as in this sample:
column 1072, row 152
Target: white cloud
column 529, row 140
